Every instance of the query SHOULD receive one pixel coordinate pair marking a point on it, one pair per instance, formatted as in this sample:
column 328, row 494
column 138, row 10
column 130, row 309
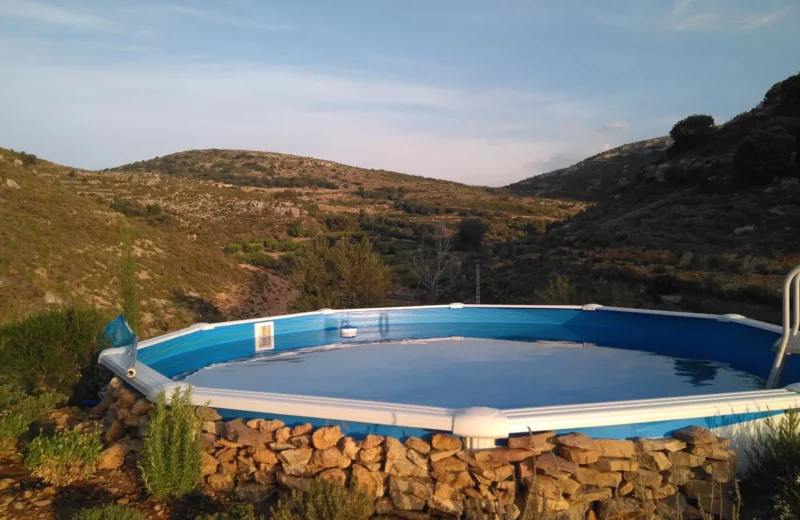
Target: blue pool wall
column 742, row 346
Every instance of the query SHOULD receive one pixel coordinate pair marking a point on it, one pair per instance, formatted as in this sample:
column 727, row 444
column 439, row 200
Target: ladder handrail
column 791, row 322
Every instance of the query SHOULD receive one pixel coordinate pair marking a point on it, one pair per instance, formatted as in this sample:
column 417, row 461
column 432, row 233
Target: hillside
column 217, row 230
column 598, row 176
column 710, row 227
column 58, row 246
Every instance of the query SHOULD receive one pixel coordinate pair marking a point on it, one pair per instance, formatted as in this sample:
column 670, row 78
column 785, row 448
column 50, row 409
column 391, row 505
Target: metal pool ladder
column 790, row 341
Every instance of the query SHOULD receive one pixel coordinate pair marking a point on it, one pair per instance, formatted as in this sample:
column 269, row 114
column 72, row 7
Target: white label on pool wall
column 476, row 372
column 265, row 336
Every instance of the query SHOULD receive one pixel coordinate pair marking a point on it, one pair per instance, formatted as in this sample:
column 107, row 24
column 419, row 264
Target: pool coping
column 479, row 422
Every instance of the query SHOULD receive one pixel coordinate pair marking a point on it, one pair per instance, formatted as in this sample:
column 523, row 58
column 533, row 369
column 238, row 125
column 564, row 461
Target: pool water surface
column 464, row 372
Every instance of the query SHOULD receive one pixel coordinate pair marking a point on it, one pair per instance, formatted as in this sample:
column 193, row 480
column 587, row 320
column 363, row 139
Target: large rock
column 682, row 458
column 448, row 464
column 371, row 481
column 713, row 451
column 297, row 456
column 502, row 455
column 11, row 183
column 222, row 483
column 575, row 440
column 590, row 477
column 302, row 429
column 420, row 460
column 578, row 455
column 643, row 477
column 537, row 442
column 371, row 441
column 326, row 437
column 458, row 480
column 696, row 435
column 405, row 468
column 349, row 447
column 240, row 433
column 406, row 501
column 209, row 464
column 435, row 455
column 371, row 455
column 662, row 444
column 418, row 444
column 265, row 456
column 330, row 457
column 206, row 414
column 265, row 478
column 418, row 488
column 549, row 464
column 113, row 457
column 609, row 464
column 126, row 397
column 446, row 505
column 394, row 448
column 615, row 448
column 270, row 426
column 445, row 442
column 654, row 461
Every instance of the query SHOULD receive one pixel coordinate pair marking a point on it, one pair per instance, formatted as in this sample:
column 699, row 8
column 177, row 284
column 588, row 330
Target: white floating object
column 348, row 332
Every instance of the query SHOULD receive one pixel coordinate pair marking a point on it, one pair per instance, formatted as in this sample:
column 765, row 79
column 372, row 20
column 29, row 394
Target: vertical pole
column 477, row 282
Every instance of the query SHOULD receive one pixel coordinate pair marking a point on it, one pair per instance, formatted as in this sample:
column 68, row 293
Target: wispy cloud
column 208, row 15
column 55, row 15
column 687, row 15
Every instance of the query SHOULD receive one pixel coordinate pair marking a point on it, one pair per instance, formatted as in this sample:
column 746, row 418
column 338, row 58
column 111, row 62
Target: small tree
column 347, row 275
column 559, row 291
column 471, row 231
column 765, row 154
column 692, row 131
column 433, row 264
column 128, row 281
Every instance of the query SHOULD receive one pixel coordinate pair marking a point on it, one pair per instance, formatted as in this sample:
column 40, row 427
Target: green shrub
column 172, row 452
column 324, row 500
column 53, row 350
column 559, row 291
column 771, row 485
column 18, row 410
column 64, row 457
column 240, row 511
column 692, row 131
column 28, row 159
column 348, row 275
column 108, row 512
column 764, row 155
column 471, row 231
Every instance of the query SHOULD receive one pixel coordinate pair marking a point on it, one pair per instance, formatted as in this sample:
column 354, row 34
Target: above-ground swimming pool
column 464, row 372
column 478, row 371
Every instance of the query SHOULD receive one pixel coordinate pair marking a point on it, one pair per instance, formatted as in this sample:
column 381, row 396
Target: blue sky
column 476, row 91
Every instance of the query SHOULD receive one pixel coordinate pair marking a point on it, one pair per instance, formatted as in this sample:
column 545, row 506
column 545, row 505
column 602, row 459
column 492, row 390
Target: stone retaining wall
column 569, row 477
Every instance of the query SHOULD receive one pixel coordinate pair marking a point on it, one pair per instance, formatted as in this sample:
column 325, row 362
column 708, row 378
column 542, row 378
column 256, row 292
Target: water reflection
column 697, row 372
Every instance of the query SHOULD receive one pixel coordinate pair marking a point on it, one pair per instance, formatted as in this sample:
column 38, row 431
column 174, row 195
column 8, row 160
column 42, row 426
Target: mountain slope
column 58, row 246
column 598, row 176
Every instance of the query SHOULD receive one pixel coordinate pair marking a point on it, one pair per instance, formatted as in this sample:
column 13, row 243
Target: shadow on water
column 697, row 372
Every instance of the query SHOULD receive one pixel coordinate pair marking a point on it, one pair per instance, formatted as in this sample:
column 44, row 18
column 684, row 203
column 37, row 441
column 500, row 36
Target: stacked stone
column 565, row 477
column 126, row 413
column 578, row 477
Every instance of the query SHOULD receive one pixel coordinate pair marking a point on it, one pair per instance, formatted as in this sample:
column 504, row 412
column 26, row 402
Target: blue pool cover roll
column 118, row 333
